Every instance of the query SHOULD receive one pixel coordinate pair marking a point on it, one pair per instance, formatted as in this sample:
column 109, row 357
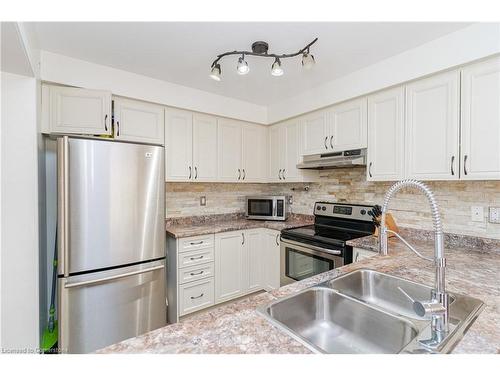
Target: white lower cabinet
column 253, row 251
column 271, row 259
column 360, row 254
column 196, row 295
column 229, row 265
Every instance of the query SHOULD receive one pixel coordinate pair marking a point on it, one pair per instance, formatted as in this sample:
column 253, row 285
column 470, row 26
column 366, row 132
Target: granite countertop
column 197, row 226
column 238, row 328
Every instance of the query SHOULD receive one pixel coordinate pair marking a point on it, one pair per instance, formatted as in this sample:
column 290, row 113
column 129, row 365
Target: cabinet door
column 481, row 121
column 229, row 150
column 254, row 153
column 253, row 260
column 432, row 127
column 386, row 135
column 79, row 111
column 179, row 145
column 315, row 133
column 138, row 121
column 229, row 266
column 348, row 126
column 290, row 152
column 275, row 153
column 271, row 263
column 204, row 148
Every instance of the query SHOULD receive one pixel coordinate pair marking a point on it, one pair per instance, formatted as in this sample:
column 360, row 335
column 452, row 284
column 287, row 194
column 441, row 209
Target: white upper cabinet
column 386, row 135
column 179, row 145
column 254, row 153
column 315, row 133
column 348, row 126
column 284, row 154
column 432, row 127
column 77, row 111
column 204, row 148
column 229, row 150
column 480, row 153
column 138, row 121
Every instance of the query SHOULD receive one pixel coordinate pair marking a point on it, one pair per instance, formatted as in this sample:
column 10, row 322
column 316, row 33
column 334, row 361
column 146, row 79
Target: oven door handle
column 312, row 247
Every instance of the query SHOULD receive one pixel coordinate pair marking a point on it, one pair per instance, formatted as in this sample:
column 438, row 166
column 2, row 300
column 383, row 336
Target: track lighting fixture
column 260, row 49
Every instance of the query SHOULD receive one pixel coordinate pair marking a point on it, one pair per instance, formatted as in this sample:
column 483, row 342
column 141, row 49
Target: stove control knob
column 318, row 207
column 363, row 212
column 323, row 208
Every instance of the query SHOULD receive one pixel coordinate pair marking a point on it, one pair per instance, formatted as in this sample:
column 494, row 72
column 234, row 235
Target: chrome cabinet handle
column 326, row 139
column 452, row 163
column 195, row 173
column 196, row 243
column 357, row 257
column 243, row 238
column 118, row 128
column 239, row 174
column 244, row 173
column 277, row 239
column 109, row 278
column 190, row 172
column 106, row 122
column 331, row 141
column 279, row 174
column 201, row 295
column 196, row 273
column 283, row 174
column 196, row 258
column 465, row 165
column 370, row 169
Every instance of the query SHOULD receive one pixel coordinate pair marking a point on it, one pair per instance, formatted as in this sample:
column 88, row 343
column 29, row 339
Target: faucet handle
column 424, row 309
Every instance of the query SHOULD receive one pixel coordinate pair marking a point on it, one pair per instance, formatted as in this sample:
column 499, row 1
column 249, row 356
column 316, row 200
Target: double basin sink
column 365, row 311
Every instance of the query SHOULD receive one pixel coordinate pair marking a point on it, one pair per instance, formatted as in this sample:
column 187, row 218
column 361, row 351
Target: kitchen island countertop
column 238, row 328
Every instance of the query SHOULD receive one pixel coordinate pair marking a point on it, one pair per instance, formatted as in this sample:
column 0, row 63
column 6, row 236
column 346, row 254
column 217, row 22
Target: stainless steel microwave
column 268, row 207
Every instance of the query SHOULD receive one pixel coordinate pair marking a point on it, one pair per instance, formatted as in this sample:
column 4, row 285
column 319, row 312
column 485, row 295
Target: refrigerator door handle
column 104, row 279
column 63, row 204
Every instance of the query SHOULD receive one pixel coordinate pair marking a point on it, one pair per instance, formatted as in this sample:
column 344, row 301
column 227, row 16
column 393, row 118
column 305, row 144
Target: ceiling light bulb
column 242, row 66
column 215, row 73
column 276, row 69
column 308, row 60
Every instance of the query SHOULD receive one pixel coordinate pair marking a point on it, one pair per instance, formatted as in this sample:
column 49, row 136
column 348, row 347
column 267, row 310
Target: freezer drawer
column 102, row 308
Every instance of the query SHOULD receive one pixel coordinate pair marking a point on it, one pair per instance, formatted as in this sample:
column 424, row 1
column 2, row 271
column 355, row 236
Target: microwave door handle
column 275, row 207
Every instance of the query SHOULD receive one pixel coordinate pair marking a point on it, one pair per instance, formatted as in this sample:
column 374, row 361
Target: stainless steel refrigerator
column 111, row 242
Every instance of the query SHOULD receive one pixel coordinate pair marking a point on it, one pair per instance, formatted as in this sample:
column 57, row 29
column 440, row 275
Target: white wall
column 74, row 72
column 463, row 46
column 19, row 213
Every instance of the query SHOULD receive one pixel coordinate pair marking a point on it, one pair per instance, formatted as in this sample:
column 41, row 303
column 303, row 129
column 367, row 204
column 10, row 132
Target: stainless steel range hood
column 341, row 159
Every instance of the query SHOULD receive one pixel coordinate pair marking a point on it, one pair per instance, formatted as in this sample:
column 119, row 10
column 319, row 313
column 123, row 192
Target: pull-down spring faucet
column 437, row 308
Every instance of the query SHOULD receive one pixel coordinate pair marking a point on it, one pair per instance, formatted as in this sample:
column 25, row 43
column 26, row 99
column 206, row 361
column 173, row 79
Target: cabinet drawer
column 195, row 243
column 196, row 296
column 195, row 257
column 194, row 273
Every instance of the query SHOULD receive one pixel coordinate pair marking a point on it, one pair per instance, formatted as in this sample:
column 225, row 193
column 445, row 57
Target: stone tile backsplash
column 409, row 207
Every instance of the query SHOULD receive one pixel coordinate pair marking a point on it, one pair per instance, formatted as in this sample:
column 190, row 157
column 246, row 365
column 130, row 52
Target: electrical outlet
column 494, row 216
column 477, row 213
column 203, row 200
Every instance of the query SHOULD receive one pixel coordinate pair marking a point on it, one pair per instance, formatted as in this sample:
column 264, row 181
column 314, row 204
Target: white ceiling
column 14, row 58
column 182, row 52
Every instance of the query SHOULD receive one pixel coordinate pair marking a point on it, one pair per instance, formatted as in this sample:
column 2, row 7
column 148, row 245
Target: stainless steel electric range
column 313, row 249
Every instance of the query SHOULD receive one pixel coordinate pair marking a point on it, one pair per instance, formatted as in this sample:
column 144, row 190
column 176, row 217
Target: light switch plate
column 203, row 200
column 494, row 216
column 477, row 213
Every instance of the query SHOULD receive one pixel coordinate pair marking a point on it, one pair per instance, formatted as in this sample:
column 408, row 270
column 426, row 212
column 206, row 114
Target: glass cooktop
column 322, row 233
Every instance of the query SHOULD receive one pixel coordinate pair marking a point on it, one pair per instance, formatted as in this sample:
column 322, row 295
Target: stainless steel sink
column 333, row 323
column 365, row 312
column 382, row 290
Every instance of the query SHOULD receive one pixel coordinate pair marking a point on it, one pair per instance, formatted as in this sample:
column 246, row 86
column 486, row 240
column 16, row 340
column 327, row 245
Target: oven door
column 299, row 261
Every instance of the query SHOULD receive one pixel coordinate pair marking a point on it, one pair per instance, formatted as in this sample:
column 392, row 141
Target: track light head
column 215, row 73
column 242, row 66
column 276, row 69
